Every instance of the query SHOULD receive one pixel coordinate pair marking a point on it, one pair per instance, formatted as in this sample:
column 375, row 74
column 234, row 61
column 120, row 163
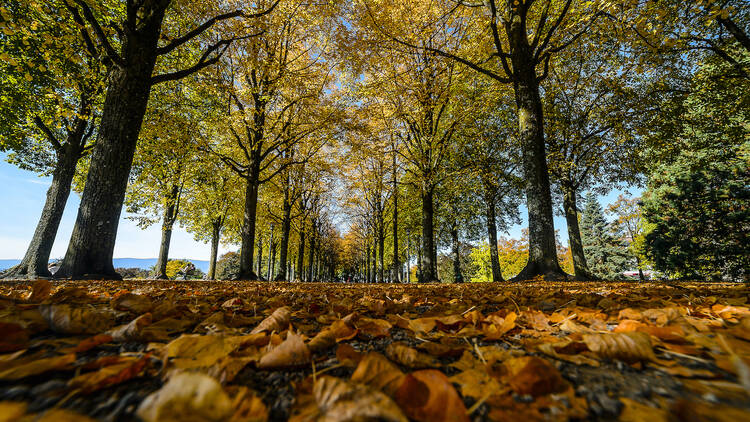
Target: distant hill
column 144, row 263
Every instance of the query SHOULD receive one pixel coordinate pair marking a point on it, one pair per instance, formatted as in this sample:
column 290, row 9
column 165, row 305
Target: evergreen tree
column 606, row 256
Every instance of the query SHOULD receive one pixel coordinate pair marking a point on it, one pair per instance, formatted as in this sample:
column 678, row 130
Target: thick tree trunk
column 286, row 223
column 428, row 270
column 580, row 267
column 170, row 215
column 542, row 248
column 35, row 261
column 215, row 237
column 247, row 245
column 457, row 276
column 92, row 243
column 300, row 272
column 497, row 275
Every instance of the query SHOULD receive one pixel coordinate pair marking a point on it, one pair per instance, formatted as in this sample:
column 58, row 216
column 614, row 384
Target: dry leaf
column 379, row 373
column 138, row 304
column 428, row 396
column 348, row 355
column 476, row 383
column 69, row 319
column 534, row 376
column 11, row 411
column 627, row 347
column 634, row 411
column 409, row 357
column 38, row 366
column 40, row 291
column 62, row 415
column 338, row 400
column 277, row 321
column 187, row 397
column 248, row 407
column 196, row 351
column 374, row 327
column 292, row 352
column 12, row 337
column 109, row 375
column 332, row 334
column 131, row 331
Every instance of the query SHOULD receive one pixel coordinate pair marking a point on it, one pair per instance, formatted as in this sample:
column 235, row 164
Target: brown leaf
column 404, row 355
column 338, row 400
column 628, row 347
column 534, row 376
column 38, row 366
column 277, row 321
column 91, row 342
column 138, row 304
column 291, row 353
column 248, row 407
column 348, row 355
column 374, row 327
column 12, row 337
column 131, row 331
column 109, row 375
column 499, row 326
column 70, row 319
column 62, row 415
column 634, row 411
column 476, row 383
column 40, row 291
column 428, row 396
column 379, row 373
column 187, row 397
column 196, row 351
column 332, row 334
column 11, row 411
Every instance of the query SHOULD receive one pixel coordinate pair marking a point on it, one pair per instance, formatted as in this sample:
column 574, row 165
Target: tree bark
column 542, row 248
column 215, row 237
column 497, row 275
column 260, row 256
column 170, row 215
column 271, row 255
column 92, row 243
column 35, row 261
column 580, row 267
column 457, row 276
column 286, row 223
column 311, row 256
column 247, row 244
column 367, row 262
column 300, row 273
column 428, row 270
column 381, row 252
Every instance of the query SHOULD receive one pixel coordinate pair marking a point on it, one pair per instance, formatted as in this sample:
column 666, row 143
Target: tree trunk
column 457, row 276
column 247, row 245
column 542, row 248
column 271, row 255
column 580, row 267
column 92, row 243
column 260, row 255
column 286, row 223
column 367, row 262
column 215, row 237
column 428, row 270
column 497, row 275
column 396, row 277
column 408, row 259
column 35, row 262
column 419, row 262
column 299, row 272
column 170, row 215
column 381, row 252
column 311, row 256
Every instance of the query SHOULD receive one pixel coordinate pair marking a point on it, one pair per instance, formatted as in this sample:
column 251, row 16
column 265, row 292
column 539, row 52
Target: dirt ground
column 246, row 351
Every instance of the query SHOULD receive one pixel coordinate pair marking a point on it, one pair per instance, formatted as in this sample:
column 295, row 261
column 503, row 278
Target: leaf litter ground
column 241, row 351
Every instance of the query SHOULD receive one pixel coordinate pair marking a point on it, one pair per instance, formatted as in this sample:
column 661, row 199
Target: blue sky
column 23, row 194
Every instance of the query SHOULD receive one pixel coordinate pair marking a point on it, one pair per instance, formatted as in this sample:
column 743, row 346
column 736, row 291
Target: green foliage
column 133, row 273
column 179, row 268
column 606, row 255
column 228, row 266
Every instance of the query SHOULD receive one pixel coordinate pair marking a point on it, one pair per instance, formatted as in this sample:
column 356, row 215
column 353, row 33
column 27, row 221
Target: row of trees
column 426, row 124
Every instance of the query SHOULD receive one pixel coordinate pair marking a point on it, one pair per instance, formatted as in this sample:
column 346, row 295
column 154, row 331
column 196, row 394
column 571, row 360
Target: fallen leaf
column 62, row 415
column 348, row 355
column 628, row 347
column 70, row 319
column 11, row 411
column 374, row 327
column 109, row 375
column 338, row 400
column 131, row 331
column 291, row 353
column 409, row 357
column 634, row 411
column 476, row 383
column 534, row 376
column 40, row 291
column 12, row 337
column 332, row 334
column 38, row 366
column 248, row 407
column 138, row 304
column 379, row 373
column 187, row 397
column 278, row 321
column 196, row 351
column 91, row 342
column 428, row 396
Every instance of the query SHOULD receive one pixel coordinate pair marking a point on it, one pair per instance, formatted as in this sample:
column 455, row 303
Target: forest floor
column 242, row 351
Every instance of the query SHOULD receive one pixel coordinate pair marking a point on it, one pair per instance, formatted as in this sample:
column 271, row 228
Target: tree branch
column 103, row 40
column 48, row 133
